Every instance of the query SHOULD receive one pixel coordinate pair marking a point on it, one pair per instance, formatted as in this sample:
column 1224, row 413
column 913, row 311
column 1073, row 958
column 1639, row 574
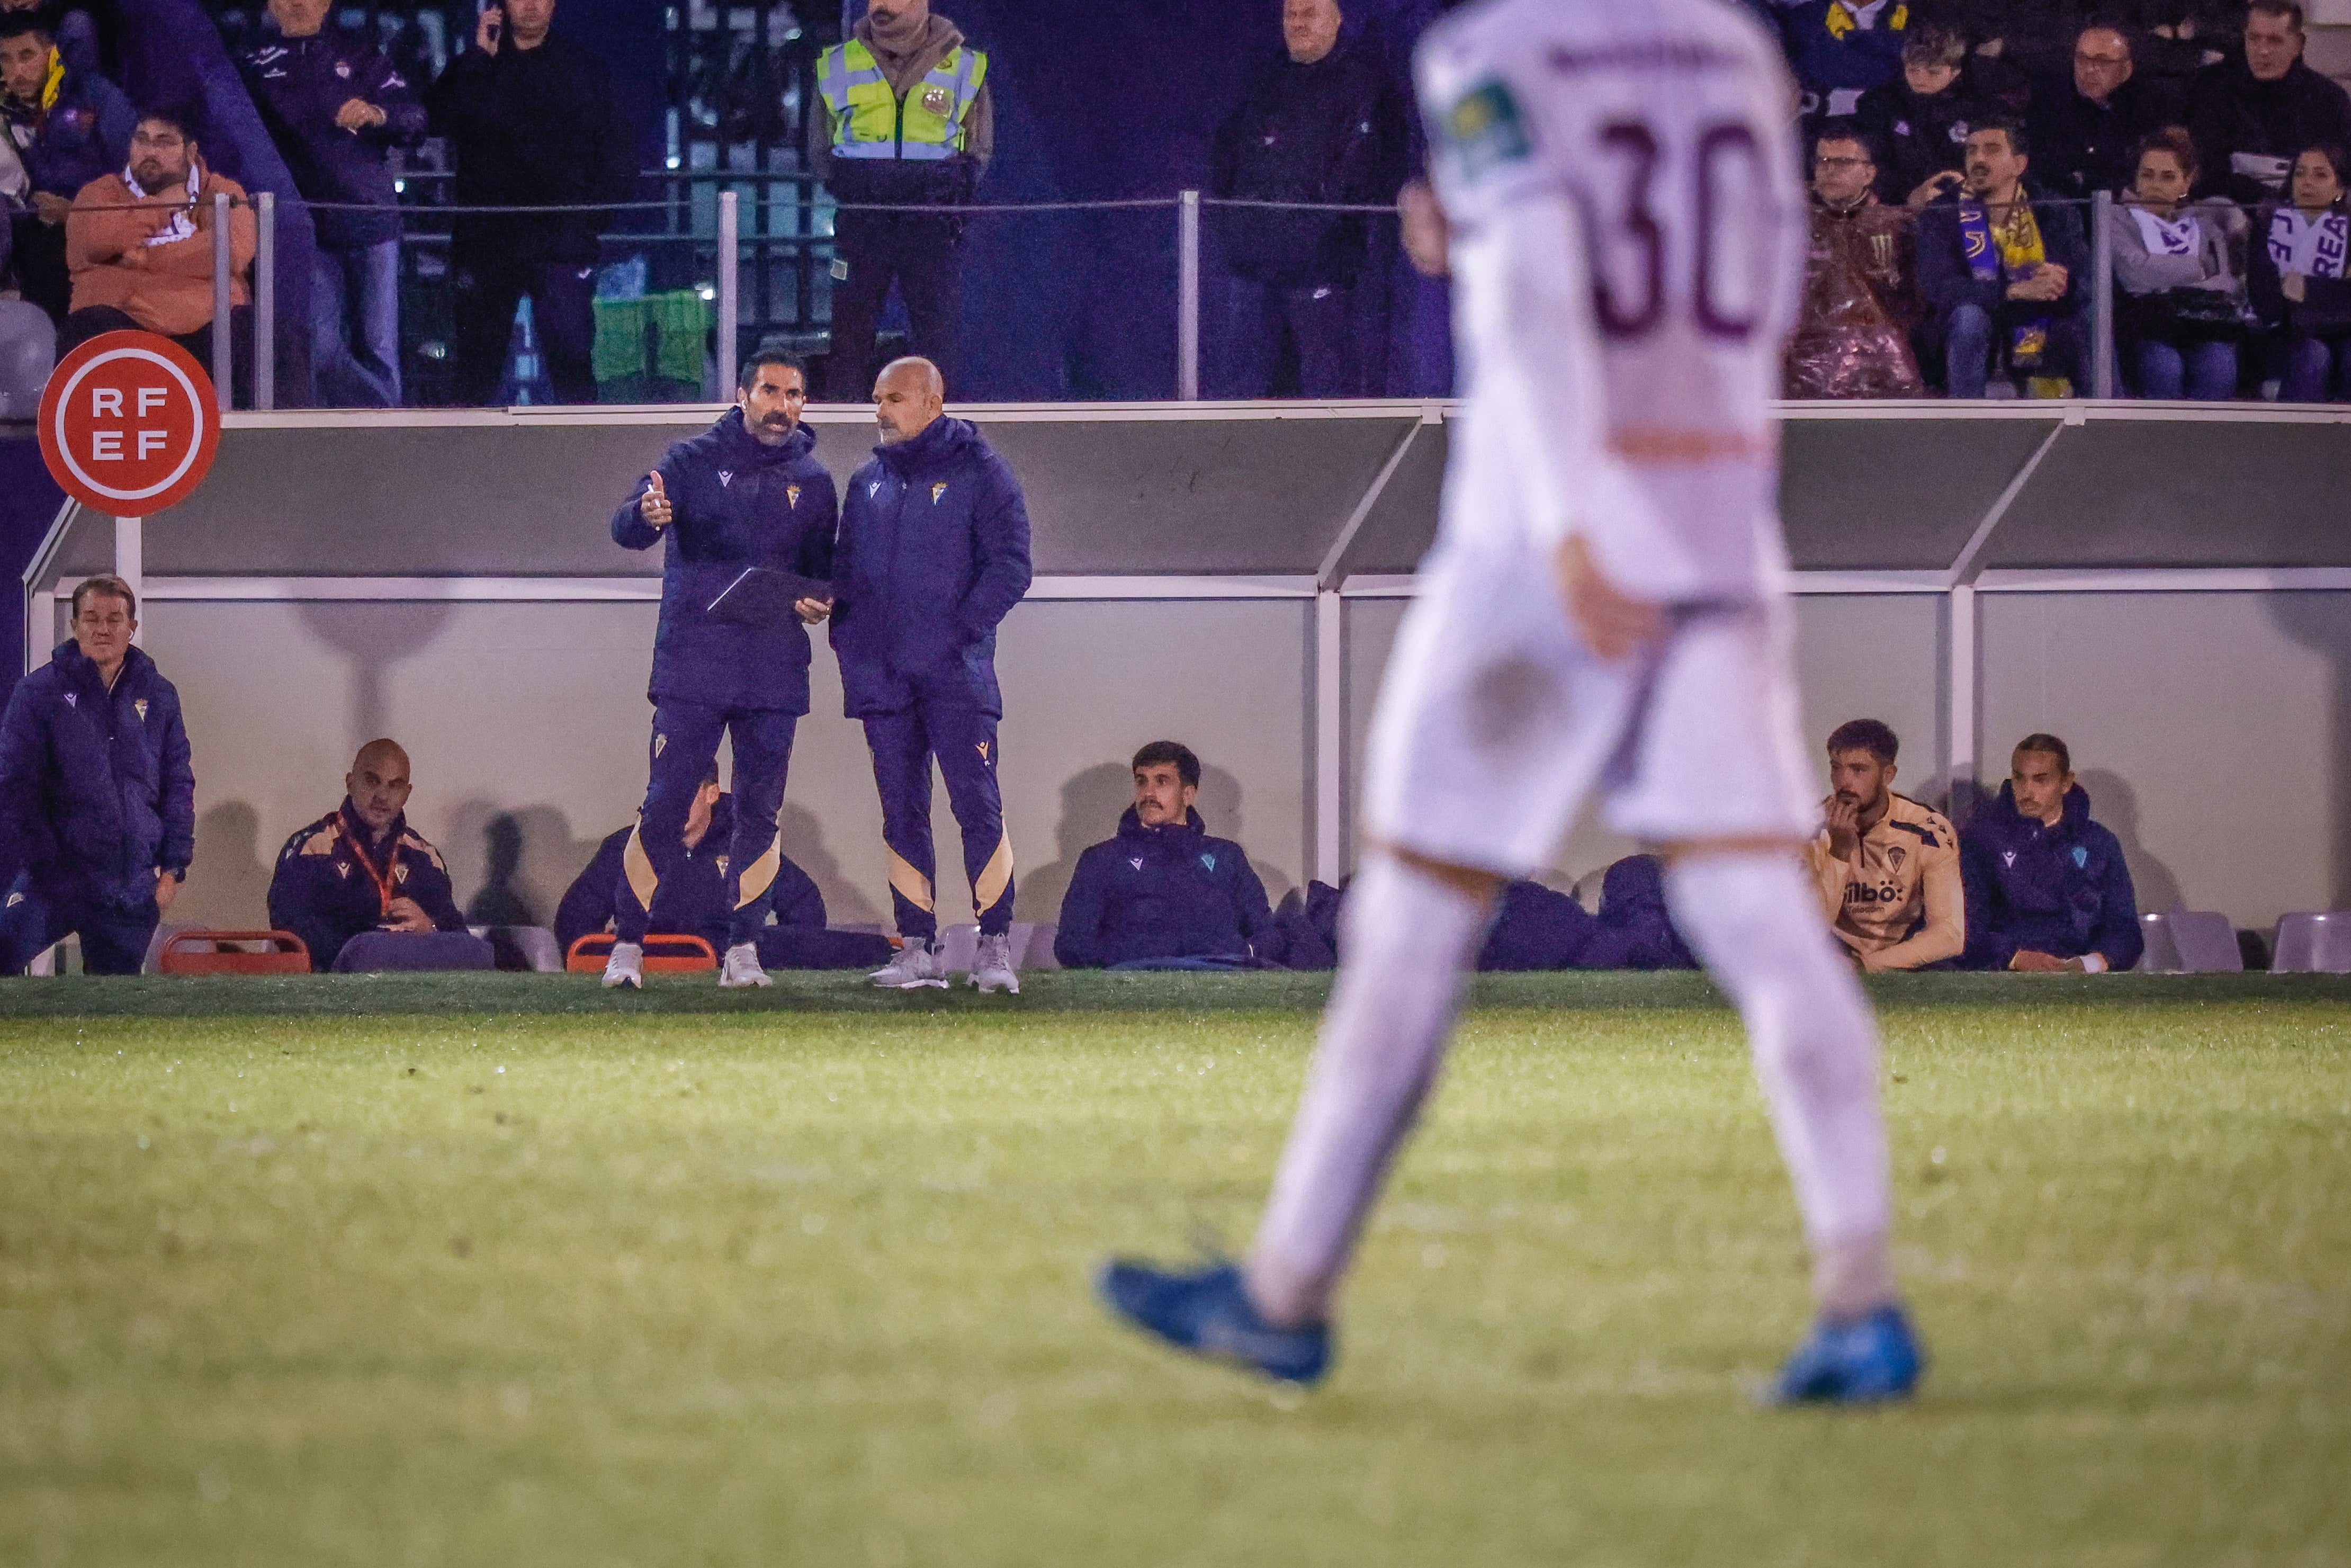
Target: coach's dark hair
column 1864, row 735
column 17, row 24
column 768, row 355
column 2049, row 745
column 105, row 585
column 1187, row 766
column 2289, row 9
column 2019, row 143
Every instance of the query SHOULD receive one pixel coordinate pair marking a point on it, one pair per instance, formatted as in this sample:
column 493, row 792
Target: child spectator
column 1918, row 124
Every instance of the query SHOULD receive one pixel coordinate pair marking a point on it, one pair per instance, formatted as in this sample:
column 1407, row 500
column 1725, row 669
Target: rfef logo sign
column 128, row 423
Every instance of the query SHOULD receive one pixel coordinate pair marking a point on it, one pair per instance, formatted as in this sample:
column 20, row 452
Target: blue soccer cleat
column 1866, row 1362
column 1209, row 1314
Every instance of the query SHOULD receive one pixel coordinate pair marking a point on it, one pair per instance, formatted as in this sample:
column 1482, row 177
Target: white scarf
column 2177, row 238
column 2315, row 247
column 184, row 223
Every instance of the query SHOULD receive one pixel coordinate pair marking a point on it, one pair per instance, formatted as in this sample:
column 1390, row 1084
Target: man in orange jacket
column 139, row 243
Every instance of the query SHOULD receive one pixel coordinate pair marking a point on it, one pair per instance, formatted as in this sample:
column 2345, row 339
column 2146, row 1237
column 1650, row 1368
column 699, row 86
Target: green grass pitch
column 503, row 1270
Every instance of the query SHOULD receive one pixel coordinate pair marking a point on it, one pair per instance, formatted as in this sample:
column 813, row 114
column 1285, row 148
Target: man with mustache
column 748, row 492
column 2003, row 275
column 65, row 125
column 1888, row 868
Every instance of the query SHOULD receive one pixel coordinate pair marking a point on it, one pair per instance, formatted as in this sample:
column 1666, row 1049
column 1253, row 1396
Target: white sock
column 1753, row 920
column 1408, row 939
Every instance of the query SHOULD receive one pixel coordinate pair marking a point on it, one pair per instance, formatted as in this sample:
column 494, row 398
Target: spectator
column 1162, row 889
column 335, row 110
column 1888, row 868
column 2300, row 284
column 1998, row 271
column 1851, row 336
column 2250, row 116
column 361, row 867
column 1917, row 124
column 97, row 803
column 139, row 243
column 908, row 122
column 2046, row 887
column 2014, row 40
column 696, row 898
column 531, row 121
column 1841, row 48
column 2182, row 308
column 2085, row 124
column 66, row 126
column 1318, row 126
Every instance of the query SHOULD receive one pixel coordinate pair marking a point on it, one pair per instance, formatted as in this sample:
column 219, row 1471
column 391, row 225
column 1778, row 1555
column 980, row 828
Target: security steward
column 97, row 803
column 361, row 867
column 934, row 553
column 909, row 124
column 748, row 492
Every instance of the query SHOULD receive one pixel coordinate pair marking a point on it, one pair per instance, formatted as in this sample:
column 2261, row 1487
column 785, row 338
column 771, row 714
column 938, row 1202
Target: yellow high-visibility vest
column 870, row 120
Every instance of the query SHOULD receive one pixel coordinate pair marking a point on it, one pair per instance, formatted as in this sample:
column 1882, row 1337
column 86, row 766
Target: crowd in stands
column 98, row 831
column 1956, row 151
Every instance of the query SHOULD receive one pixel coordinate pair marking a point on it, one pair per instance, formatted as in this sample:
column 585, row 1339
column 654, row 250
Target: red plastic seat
column 203, row 952
column 663, row 954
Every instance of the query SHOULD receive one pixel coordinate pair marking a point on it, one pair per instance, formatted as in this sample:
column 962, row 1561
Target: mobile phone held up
column 492, row 25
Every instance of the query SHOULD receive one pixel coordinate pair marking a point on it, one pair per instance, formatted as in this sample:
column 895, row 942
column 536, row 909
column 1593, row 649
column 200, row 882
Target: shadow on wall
column 1092, row 803
column 518, row 863
column 229, row 885
column 373, row 637
column 2114, row 805
column 845, row 902
column 2321, row 622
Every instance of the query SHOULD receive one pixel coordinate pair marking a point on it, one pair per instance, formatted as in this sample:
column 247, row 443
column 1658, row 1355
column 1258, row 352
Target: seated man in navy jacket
column 361, row 867
column 2047, row 888
column 97, row 815
column 1162, row 889
column 695, row 899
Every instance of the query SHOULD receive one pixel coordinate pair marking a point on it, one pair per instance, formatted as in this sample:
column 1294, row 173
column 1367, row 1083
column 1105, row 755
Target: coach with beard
column 747, row 493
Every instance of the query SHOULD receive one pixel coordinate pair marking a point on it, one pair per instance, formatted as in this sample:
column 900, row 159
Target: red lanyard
column 383, row 879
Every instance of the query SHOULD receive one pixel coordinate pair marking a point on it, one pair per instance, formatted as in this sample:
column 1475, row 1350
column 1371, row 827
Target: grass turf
column 801, row 1280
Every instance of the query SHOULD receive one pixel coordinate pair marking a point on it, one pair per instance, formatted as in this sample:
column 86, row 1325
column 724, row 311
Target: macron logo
column 2008, row 859
column 1135, row 861
column 72, row 699
column 725, row 477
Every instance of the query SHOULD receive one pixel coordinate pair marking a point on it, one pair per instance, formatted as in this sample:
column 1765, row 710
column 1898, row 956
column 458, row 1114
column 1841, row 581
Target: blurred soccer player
column 1603, row 614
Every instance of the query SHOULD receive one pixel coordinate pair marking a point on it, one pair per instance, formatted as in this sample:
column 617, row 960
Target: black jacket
column 1169, row 892
column 1945, row 282
column 1913, row 136
column 300, row 84
column 1328, row 134
column 734, row 504
column 2231, row 112
column 532, row 128
column 691, row 900
column 2061, row 890
column 2080, row 147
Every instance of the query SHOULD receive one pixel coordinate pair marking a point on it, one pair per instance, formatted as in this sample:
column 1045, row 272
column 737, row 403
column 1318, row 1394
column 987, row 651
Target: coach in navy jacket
column 934, row 553
column 1165, row 889
column 98, row 817
column 748, row 492
column 2045, row 894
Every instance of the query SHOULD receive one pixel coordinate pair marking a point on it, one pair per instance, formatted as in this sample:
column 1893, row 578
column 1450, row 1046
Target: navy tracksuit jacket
column 933, row 554
column 1169, row 892
column 2063, row 890
column 300, row 84
column 735, row 503
column 335, row 879
column 96, row 796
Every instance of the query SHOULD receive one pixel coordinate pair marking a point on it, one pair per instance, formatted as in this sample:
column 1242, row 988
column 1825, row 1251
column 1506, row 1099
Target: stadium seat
column 197, row 951
column 2317, row 943
column 28, row 346
column 663, row 954
column 2191, row 942
column 1032, row 945
column 414, row 952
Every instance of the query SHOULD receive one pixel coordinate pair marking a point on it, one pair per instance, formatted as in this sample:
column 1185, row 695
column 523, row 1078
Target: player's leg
column 115, row 941
column 684, row 741
column 962, row 736
column 1716, row 777
column 902, row 774
column 762, row 743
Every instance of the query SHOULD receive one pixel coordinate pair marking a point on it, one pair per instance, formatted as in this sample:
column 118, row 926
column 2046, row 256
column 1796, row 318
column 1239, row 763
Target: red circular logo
column 128, row 423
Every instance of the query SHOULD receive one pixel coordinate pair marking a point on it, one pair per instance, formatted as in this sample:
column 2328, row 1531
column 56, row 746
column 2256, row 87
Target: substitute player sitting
column 1604, row 615
column 1887, row 869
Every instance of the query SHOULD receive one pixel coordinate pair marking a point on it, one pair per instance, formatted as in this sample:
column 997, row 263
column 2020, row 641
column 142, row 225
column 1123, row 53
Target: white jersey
column 1628, row 244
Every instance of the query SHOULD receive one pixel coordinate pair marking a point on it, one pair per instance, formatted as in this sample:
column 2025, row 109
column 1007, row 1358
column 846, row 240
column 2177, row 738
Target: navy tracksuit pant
column 686, row 740
column 114, row 941
column 963, row 737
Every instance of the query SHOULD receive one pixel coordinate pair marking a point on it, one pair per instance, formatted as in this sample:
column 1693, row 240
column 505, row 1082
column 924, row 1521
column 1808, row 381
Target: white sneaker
column 742, row 968
column 991, row 965
column 917, row 965
column 626, row 967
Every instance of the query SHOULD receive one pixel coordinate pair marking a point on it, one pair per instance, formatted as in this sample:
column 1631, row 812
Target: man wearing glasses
column 1853, row 337
column 2085, row 127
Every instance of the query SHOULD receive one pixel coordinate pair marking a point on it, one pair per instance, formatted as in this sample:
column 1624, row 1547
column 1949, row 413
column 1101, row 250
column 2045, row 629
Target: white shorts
column 1497, row 725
